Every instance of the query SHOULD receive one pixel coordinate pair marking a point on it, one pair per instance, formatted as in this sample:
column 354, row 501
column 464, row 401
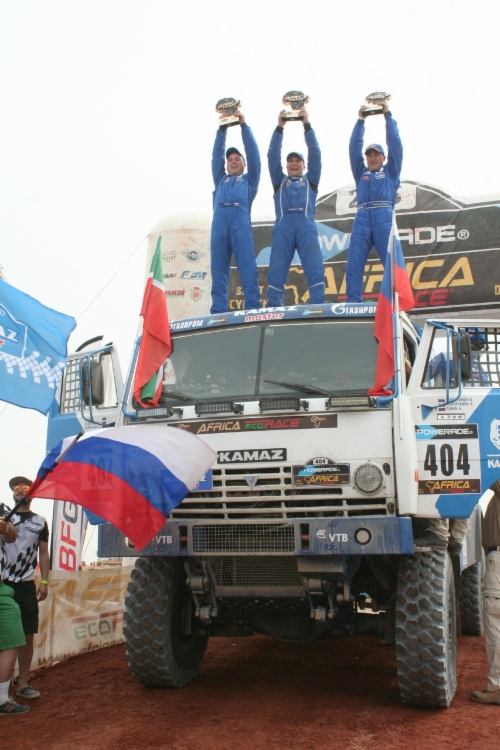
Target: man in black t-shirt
column 32, row 543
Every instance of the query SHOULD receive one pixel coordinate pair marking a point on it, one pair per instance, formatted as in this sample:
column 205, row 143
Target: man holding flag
column 376, row 188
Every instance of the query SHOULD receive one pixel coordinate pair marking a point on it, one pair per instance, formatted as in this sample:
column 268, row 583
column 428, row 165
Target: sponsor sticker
column 448, row 486
column 205, row 483
column 438, row 432
column 322, row 472
column 259, row 425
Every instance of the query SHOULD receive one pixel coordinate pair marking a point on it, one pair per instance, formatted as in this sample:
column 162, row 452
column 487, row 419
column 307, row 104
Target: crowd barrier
column 83, row 612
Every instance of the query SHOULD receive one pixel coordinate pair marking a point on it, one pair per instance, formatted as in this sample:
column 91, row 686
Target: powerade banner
column 451, row 247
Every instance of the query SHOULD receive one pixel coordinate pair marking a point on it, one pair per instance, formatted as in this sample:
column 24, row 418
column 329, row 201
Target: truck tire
column 426, row 630
column 471, row 600
column 159, row 652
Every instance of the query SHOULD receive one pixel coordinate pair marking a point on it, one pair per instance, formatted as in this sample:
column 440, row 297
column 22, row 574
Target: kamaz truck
column 304, row 527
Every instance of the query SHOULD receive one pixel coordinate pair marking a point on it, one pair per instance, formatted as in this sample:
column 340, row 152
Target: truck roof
column 292, row 312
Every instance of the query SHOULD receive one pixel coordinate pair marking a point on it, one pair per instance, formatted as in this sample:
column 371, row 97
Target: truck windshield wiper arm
column 180, row 396
column 310, row 389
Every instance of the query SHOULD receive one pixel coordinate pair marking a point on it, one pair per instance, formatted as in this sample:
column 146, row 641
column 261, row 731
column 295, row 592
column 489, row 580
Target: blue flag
column 33, row 342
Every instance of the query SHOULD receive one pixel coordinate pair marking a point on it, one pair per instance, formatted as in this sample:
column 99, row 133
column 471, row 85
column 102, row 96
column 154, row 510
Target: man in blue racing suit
column 231, row 226
column 295, row 202
column 376, row 188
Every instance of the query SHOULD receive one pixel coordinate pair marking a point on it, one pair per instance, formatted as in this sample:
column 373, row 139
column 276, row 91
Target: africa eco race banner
column 83, row 612
column 450, row 245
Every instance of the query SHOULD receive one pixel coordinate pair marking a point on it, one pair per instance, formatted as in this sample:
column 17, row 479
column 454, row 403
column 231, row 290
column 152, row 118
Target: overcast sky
column 108, row 120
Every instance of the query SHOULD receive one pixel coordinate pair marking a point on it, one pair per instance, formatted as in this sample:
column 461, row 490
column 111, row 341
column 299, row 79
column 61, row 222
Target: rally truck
column 304, row 527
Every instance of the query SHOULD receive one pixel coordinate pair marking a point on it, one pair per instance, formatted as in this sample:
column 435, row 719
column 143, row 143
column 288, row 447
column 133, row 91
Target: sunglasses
column 23, row 487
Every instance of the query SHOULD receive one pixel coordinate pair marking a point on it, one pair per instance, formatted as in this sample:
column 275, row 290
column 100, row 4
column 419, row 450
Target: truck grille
column 272, row 496
column 255, row 571
column 243, row 538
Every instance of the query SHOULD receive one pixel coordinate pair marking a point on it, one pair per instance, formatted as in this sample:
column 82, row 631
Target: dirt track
column 253, row 694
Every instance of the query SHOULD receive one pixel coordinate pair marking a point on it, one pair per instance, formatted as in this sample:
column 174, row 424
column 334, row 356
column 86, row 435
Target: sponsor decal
column 437, row 432
column 313, row 312
column 205, row 483
column 216, row 321
column 175, row 292
column 252, row 481
column 495, row 433
column 321, row 471
column 181, row 325
column 263, row 316
column 448, row 486
column 321, row 534
column 265, row 310
column 168, row 257
column 451, row 417
column 169, row 275
column 248, row 456
column 198, row 275
column 196, row 293
column 259, row 425
column 193, row 255
column 342, row 308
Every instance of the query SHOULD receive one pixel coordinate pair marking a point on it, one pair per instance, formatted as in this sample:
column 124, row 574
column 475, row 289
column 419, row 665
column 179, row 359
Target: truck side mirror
column 96, row 383
column 464, row 356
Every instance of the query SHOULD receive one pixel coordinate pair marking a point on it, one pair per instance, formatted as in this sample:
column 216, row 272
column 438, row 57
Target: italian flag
column 155, row 343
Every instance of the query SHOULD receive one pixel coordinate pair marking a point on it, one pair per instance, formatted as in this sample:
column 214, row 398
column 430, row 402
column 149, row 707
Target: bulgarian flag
column 395, row 294
column 155, row 343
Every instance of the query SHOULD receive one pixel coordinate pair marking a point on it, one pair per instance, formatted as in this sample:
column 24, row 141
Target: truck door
column 455, row 402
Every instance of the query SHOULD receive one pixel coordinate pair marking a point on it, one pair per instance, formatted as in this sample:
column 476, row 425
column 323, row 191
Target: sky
column 108, row 118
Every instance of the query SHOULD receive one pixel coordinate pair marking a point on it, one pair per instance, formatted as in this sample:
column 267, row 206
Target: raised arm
column 218, row 163
column 274, row 153
column 395, row 155
column 313, row 152
column 252, row 156
column 356, row 147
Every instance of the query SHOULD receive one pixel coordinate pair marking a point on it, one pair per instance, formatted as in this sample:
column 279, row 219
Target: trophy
column 226, row 108
column 294, row 101
column 374, row 103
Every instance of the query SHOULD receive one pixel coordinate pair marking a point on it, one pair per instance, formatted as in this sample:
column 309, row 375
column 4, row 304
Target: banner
column 33, row 342
column 83, row 612
column 451, row 247
column 69, row 523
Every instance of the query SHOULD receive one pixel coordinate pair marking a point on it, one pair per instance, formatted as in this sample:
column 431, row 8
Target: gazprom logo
column 425, row 432
column 13, row 334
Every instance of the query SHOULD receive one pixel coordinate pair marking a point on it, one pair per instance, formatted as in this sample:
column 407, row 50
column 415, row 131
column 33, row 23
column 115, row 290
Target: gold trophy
column 226, row 108
column 294, row 101
column 374, row 103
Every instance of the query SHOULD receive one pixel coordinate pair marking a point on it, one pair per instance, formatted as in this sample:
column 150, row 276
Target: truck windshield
column 236, row 363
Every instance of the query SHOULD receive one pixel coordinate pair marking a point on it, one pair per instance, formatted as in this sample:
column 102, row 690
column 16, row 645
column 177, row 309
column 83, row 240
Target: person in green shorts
column 11, row 628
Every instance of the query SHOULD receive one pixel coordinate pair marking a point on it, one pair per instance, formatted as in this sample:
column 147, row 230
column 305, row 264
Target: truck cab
column 304, row 526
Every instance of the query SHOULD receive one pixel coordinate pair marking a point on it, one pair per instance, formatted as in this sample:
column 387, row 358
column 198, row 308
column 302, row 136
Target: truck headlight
column 368, row 478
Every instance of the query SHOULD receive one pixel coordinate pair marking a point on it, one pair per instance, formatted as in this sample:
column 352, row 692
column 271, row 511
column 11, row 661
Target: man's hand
column 42, row 592
column 282, row 119
column 8, row 531
column 240, row 115
column 304, row 115
column 385, row 107
column 361, row 112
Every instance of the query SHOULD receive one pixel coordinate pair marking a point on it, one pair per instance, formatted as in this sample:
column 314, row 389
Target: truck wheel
column 159, row 651
column 426, row 630
column 471, row 600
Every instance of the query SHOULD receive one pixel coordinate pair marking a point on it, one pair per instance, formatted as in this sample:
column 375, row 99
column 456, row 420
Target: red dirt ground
column 253, row 694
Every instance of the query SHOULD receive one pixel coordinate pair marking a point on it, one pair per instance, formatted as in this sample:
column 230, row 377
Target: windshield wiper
column 310, row 389
column 180, row 396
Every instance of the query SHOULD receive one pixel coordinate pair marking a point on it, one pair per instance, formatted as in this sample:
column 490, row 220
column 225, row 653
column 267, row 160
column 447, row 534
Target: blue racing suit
column 231, row 225
column 295, row 229
column 376, row 196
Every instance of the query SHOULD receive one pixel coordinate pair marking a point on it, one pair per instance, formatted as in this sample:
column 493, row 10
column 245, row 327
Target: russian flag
column 395, row 294
column 131, row 476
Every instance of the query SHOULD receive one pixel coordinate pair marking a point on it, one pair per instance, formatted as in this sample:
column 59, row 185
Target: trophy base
column 373, row 110
column 291, row 116
column 228, row 121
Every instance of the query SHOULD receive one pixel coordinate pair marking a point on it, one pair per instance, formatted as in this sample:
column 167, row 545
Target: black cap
column 19, row 480
column 233, row 150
